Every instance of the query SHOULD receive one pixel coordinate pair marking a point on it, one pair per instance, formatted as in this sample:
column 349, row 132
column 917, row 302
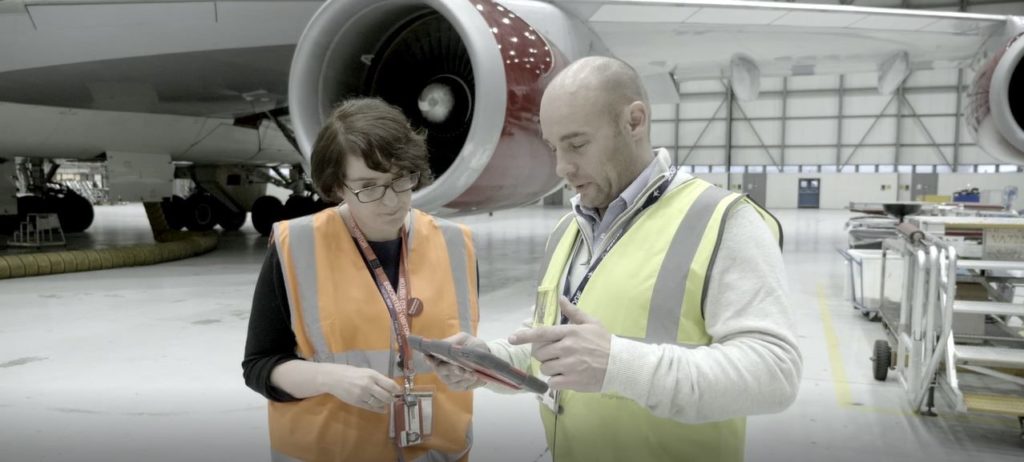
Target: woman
column 341, row 289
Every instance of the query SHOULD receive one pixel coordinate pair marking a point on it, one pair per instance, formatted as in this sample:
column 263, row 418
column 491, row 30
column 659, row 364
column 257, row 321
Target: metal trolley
column 973, row 372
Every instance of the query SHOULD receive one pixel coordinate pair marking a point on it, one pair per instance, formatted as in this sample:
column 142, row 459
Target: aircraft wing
column 698, row 39
column 185, row 57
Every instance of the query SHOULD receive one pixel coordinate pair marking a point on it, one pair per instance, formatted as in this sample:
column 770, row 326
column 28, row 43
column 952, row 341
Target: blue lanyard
column 651, row 199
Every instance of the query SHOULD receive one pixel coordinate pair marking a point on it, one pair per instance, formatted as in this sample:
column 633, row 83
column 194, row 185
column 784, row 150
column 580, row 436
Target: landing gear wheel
column 201, row 212
column 75, row 212
column 8, row 224
column 265, row 211
column 882, row 359
column 30, row 204
column 299, row 206
column 320, row 204
column 230, row 220
column 175, row 212
column 873, row 316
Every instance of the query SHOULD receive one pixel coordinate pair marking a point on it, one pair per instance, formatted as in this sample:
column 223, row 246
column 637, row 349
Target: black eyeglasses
column 375, row 193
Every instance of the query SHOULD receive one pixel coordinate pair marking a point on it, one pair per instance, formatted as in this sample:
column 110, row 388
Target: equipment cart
column 956, row 330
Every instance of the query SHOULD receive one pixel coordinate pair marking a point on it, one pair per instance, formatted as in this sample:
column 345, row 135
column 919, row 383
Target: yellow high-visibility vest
column 650, row 287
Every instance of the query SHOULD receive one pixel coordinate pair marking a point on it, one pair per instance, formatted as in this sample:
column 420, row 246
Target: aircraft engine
column 470, row 73
column 995, row 103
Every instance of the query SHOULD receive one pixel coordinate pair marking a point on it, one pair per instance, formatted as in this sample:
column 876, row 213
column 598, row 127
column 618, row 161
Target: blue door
column 809, row 191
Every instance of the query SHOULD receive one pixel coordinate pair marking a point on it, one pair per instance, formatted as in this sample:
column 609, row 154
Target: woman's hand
column 358, row 386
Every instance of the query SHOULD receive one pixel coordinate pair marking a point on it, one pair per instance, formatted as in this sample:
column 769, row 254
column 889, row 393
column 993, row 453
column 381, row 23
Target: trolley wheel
column 873, row 316
column 882, row 359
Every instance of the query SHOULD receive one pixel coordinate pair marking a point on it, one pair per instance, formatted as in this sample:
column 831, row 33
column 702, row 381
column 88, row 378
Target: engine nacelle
column 995, row 105
column 470, row 73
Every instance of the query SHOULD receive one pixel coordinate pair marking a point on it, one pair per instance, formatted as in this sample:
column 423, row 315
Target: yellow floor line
column 835, row 358
column 845, row 398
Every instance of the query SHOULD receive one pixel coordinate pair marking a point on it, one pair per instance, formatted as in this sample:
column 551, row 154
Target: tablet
column 488, row 366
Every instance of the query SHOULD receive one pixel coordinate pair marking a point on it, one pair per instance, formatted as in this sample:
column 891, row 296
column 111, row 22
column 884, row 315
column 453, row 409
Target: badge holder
column 411, row 417
column 546, row 312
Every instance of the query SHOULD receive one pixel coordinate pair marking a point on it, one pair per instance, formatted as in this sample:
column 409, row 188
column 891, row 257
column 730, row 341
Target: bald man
column 662, row 318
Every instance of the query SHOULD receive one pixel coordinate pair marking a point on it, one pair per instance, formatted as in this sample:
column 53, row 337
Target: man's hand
column 575, row 356
column 457, row 377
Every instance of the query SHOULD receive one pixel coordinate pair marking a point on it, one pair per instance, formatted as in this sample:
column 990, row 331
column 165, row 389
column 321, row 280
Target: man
column 678, row 325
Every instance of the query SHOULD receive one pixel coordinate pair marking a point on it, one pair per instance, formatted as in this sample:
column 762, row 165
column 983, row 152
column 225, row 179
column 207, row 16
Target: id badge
column 546, row 313
column 546, row 309
column 549, row 398
column 410, row 421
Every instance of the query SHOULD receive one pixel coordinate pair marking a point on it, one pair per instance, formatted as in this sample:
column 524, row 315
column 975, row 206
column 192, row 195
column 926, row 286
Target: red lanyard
column 396, row 303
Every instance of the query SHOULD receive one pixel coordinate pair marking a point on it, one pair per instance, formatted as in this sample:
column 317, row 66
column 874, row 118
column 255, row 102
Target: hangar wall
column 837, row 128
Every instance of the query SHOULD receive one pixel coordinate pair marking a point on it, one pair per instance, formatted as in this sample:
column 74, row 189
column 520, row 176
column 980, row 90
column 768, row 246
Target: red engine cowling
column 469, row 72
column 995, row 102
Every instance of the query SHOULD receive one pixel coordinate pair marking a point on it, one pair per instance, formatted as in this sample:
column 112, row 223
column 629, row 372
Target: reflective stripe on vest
column 669, row 294
column 303, row 261
column 301, row 282
column 552, row 243
column 338, row 316
column 457, row 256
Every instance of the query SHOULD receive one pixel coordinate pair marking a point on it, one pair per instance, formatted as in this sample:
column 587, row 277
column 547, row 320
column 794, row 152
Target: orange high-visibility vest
column 339, row 316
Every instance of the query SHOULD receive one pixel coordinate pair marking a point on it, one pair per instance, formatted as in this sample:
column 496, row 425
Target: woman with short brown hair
column 341, row 290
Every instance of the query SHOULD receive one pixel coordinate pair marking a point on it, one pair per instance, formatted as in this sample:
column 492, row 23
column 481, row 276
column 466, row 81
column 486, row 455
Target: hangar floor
column 143, row 363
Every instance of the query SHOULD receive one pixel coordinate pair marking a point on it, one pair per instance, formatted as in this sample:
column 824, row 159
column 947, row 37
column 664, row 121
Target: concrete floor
column 143, row 363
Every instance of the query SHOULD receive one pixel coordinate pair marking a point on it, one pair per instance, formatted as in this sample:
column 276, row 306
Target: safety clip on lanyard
column 397, row 304
column 651, row 199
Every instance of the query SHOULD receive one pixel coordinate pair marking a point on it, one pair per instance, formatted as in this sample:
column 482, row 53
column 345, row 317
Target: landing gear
column 268, row 209
column 201, row 212
column 299, row 206
column 174, row 212
column 265, row 211
column 230, row 220
column 8, row 224
column 50, row 196
column 74, row 211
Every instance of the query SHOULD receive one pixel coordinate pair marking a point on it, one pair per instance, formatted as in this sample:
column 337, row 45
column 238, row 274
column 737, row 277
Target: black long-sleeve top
column 270, row 340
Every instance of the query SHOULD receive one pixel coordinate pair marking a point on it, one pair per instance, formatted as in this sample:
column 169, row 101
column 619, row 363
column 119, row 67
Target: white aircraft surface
column 147, row 86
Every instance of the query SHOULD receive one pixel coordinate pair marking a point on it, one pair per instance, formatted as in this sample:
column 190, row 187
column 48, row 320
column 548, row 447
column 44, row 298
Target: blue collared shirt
column 599, row 225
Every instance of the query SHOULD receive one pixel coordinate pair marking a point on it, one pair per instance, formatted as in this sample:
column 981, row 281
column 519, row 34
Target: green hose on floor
column 171, row 245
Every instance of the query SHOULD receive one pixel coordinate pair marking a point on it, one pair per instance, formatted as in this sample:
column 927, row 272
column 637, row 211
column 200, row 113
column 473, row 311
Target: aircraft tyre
column 75, row 212
column 265, row 211
column 201, row 212
column 299, row 206
column 174, row 210
column 230, row 220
